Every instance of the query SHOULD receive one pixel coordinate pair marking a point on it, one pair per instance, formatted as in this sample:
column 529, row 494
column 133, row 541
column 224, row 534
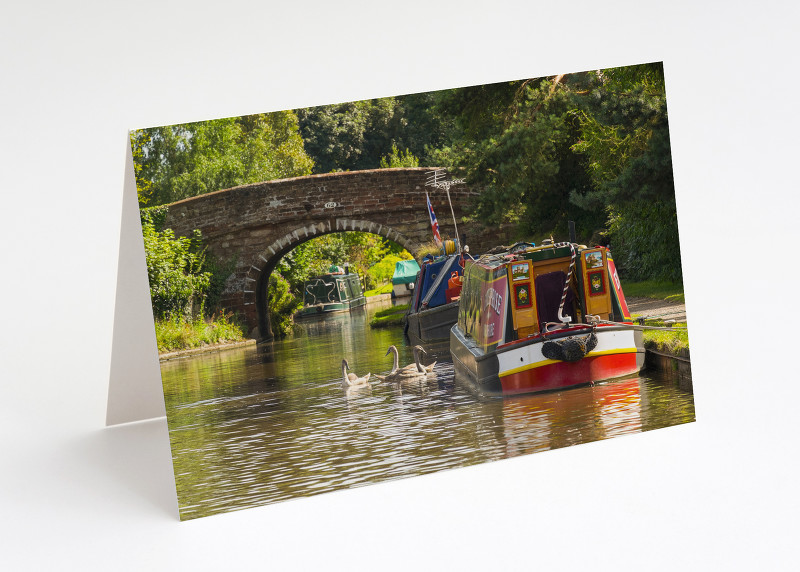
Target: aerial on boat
column 337, row 291
column 538, row 318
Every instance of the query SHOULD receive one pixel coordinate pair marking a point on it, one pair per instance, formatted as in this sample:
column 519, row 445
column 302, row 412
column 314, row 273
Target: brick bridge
column 258, row 224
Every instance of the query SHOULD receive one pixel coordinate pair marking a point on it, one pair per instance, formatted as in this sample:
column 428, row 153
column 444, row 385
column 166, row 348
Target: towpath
column 661, row 309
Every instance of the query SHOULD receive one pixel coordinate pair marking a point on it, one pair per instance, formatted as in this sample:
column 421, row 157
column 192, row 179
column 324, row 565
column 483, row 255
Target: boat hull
column 520, row 366
column 331, row 308
column 432, row 325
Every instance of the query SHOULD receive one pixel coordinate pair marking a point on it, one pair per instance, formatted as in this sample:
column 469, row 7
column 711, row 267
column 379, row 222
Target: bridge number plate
column 332, row 205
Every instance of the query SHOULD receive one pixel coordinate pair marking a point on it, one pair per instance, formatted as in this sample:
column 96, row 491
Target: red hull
column 567, row 374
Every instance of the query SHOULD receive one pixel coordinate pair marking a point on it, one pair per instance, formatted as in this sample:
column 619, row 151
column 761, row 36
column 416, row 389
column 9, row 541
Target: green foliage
column 174, row 269
column 644, row 240
column 674, row 341
column 282, row 305
column 180, row 161
column 385, row 289
column 220, row 271
column 382, row 271
column 518, row 152
column 590, row 147
column 144, row 186
column 389, row 317
column 399, row 159
column 178, row 332
column 659, row 290
column 625, row 136
column 358, row 135
column 360, row 250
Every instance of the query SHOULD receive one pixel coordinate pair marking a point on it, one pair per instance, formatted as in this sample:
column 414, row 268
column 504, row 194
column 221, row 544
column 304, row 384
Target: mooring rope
column 566, row 319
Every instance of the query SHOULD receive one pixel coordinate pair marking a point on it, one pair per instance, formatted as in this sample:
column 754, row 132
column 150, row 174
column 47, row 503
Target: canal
column 258, row 425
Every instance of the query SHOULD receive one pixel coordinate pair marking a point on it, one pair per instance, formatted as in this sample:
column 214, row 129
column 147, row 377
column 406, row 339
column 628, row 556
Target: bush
column 174, row 269
column 282, row 305
column 178, row 332
column 644, row 241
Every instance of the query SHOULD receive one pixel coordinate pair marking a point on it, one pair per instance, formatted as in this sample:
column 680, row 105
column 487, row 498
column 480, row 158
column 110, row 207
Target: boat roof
column 332, row 277
column 405, row 271
column 535, row 253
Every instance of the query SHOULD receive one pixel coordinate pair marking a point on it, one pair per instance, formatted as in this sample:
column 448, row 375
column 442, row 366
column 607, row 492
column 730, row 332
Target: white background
column 718, row 494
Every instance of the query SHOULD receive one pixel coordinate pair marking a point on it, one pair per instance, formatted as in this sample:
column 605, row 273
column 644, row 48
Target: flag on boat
column 434, row 222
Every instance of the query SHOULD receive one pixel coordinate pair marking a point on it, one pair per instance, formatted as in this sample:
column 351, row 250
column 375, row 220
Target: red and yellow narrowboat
column 543, row 318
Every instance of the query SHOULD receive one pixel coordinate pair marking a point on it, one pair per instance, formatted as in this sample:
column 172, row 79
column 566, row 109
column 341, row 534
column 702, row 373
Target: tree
column 399, row 159
column 180, row 161
column 625, row 136
column 174, row 268
column 592, row 147
column 515, row 145
column 358, row 135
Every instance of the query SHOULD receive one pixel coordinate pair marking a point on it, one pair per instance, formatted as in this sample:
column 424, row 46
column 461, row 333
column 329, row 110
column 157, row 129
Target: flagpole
column 447, row 189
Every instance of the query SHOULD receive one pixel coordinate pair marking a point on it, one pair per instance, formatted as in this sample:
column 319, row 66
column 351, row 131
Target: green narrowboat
column 336, row 291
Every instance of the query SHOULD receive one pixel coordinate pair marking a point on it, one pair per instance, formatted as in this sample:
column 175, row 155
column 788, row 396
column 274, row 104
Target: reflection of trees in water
column 665, row 397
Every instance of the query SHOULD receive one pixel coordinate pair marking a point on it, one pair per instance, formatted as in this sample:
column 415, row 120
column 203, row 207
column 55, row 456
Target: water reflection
column 259, row 425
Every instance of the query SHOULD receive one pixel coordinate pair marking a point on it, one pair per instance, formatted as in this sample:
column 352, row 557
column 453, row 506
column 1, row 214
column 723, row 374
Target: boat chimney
column 572, row 237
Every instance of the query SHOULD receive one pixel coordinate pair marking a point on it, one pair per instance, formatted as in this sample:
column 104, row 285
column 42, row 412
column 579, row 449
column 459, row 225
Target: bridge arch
column 255, row 225
column 264, row 262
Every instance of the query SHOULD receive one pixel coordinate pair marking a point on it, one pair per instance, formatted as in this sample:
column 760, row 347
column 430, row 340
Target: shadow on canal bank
column 204, row 349
column 677, row 366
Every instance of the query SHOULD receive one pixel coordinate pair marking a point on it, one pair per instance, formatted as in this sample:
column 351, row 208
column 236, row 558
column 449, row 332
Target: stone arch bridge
column 258, row 224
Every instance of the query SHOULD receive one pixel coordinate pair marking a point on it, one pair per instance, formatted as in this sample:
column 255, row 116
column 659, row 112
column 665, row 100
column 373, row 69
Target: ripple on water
column 254, row 426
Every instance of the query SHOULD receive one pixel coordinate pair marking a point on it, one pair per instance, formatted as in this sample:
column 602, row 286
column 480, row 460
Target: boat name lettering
column 494, row 299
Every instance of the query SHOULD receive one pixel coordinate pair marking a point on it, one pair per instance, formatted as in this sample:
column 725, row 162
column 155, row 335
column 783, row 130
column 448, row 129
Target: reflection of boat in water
column 434, row 307
column 542, row 318
column 545, row 421
column 330, row 293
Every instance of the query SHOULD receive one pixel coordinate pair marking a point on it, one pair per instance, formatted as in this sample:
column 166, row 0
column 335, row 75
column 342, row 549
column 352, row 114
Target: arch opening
column 268, row 260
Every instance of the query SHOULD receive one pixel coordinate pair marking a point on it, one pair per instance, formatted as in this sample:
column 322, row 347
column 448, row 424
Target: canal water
column 258, row 425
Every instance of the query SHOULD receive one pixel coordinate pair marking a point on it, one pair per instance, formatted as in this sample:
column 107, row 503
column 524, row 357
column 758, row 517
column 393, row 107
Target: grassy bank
column 389, row 317
column 675, row 342
column 669, row 342
column 669, row 291
column 180, row 334
column 385, row 289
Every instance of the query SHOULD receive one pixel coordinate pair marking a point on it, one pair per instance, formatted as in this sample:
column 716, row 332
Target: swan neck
column 420, row 369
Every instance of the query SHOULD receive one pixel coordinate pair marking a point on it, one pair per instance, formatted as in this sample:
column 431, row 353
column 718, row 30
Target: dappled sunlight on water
column 254, row 426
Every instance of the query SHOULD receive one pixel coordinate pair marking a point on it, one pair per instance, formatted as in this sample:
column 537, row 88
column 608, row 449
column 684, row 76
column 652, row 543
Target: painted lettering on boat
column 494, row 299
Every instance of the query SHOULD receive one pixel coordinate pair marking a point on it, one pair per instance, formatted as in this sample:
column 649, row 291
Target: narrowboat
column 337, row 291
column 543, row 318
column 434, row 307
column 404, row 278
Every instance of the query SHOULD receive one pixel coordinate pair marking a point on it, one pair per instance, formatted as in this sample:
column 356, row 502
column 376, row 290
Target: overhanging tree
column 180, row 161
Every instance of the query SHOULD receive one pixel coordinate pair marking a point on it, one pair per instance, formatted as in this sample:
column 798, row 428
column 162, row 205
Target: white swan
column 351, row 379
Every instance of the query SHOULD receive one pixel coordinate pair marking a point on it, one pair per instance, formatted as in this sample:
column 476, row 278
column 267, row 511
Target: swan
column 409, row 372
column 351, row 379
column 420, row 367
